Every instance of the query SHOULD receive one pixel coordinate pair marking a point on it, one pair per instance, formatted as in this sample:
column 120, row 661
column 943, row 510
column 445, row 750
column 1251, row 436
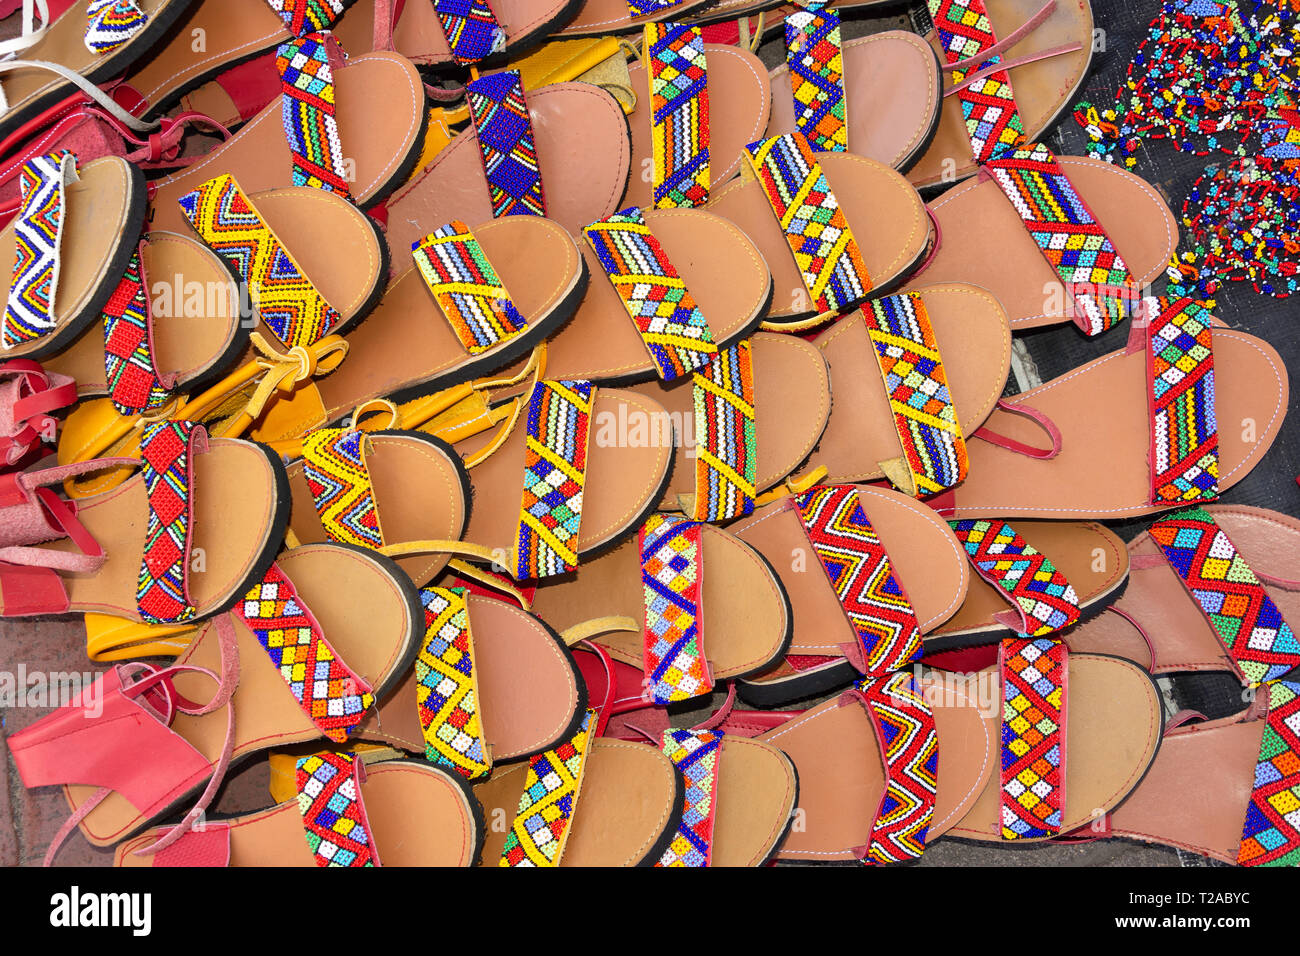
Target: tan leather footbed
column 754, row 798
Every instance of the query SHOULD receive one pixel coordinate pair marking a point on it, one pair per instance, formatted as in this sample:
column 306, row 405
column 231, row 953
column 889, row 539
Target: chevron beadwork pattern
column 1184, row 423
column 334, row 464
column 446, row 686
column 672, row 579
column 111, row 23
column 38, row 236
column 1033, row 729
column 904, row 725
column 695, row 754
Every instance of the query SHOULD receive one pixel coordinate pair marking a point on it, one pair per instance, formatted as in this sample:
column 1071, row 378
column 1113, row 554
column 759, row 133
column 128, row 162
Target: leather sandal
column 605, row 17
column 28, row 397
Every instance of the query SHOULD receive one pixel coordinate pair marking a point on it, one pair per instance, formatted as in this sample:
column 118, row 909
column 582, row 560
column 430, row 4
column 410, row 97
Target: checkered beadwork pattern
column 695, row 755
column 1033, row 724
column 672, row 579
column 551, row 788
column 308, row 16
column 111, row 23
column 308, row 112
column 446, row 686
column 726, row 450
column 907, row 355
column 38, row 235
column 1102, row 290
column 679, row 114
column 471, row 29
column 167, row 451
column 466, row 287
column 333, row 816
column 815, row 58
column 1271, row 833
column 1184, row 428
column 334, row 464
column 283, row 296
column 1046, row 601
column 863, row 579
column 904, row 727
column 814, row 225
column 130, row 368
column 505, row 138
column 1229, row 594
column 555, row 466
column 329, row 692
column 989, row 104
column 665, row 314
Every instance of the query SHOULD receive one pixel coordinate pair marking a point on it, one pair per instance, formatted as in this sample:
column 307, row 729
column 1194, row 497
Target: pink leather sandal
column 28, row 395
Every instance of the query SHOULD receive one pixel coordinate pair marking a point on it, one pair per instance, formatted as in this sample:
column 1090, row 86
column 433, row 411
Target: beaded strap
column 111, row 23
column 679, row 114
column 471, row 29
column 1033, row 736
column 1270, row 836
column 308, row 16
column 466, row 287
column 307, row 109
column 167, row 451
column 641, row 8
column 815, row 59
column 552, row 785
column 862, row 577
column 38, row 237
column 813, row 222
column 1258, row 639
column 333, row 813
column 446, row 686
column 1184, row 428
column 334, row 464
column 506, row 141
column 330, row 693
column 907, row 354
column 695, row 755
column 672, row 580
column 726, row 445
column 555, row 473
column 909, row 746
column 665, row 314
column 281, row 293
column 1044, row 599
column 130, row 366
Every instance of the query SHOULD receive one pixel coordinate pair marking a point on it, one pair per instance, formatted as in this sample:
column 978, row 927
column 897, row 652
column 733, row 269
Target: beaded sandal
column 877, row 96
column 606, row 17
column 303, row 610
column 561, row 151
column 1134, row 432
column 820, row 265
column 333, row 787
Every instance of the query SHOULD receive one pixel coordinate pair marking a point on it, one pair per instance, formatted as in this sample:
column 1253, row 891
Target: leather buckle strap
column 1034, row 694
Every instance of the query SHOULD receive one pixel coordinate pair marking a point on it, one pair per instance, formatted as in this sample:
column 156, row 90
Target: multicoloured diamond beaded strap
column 505, row 138
column 1101, row 288
column 446, row 686
column 1033, row 736
column 111, row 23
column 308, row 16
column 672, row 579
column 306, row 66
column 695, row 755
column 38, row 237
column 130, row 366
column 1040, row 594
column 331, row 694
column 813, row 222
column 167, row 451
column 555, row 472
column 862, row 576
column 1271, row 834
column 907, row 354
column 471, row 29
column 665, row 314
column 333, row 814
column 466, row 287
column 1184, row 426
column 815, row 58
column 1257, row 638
column 726, row 447
column 284, row 297
column 679, row 114
column 551, row 788
column 904, row 727
column 334, row 464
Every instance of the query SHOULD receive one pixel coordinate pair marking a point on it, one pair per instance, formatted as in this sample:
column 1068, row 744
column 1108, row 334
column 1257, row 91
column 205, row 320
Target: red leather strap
column 1011, row 444
column 251, row 86
column 209, row 847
